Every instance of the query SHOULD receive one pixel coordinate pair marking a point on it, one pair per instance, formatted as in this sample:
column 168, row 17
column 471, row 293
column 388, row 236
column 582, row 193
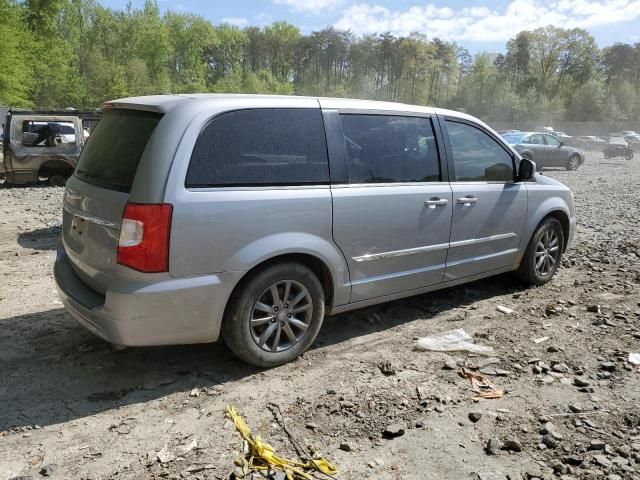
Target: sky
column 476, row 25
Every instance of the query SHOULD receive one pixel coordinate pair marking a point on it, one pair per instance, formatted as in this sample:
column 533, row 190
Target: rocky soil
column 71, row 407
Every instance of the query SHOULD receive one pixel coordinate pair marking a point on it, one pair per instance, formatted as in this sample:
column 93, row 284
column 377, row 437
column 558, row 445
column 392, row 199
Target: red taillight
column 144, row 237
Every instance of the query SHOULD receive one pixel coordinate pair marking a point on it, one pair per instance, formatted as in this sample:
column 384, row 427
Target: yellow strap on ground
column 261, row 455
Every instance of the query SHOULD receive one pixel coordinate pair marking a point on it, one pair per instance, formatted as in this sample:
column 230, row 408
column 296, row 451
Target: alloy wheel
column 281, row 316
column 547, row 252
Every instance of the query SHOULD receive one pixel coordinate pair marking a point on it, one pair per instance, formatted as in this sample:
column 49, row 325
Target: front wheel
column 628, row 155
column 544, row 253
column 573, row 163
column 275, row 315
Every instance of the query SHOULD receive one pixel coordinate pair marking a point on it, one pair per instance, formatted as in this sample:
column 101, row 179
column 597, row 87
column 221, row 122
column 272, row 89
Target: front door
column 489, row 206
column 392, row 218
column 557, row 155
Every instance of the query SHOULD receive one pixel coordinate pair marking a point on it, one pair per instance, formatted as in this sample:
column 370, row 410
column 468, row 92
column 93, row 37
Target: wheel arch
column 55, row 166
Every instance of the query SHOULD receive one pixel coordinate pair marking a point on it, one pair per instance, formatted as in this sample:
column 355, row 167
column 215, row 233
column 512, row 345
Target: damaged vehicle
column 43, row 146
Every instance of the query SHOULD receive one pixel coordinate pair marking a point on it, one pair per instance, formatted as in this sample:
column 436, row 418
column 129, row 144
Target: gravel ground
column 70, row 407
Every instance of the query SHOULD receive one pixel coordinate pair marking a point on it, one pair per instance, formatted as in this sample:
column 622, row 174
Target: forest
column 77, row 53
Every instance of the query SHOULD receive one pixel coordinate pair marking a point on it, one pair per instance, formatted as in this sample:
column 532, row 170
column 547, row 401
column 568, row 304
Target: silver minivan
column 194, row 217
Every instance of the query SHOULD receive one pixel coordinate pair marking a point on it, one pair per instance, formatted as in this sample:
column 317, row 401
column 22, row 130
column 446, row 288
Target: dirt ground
column 73, row 408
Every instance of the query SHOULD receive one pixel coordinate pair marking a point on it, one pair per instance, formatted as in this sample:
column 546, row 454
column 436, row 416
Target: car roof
column 167, row 102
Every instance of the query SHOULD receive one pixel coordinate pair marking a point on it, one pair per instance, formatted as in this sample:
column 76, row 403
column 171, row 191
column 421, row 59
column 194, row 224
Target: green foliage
column 16, row 57
column 60, row 53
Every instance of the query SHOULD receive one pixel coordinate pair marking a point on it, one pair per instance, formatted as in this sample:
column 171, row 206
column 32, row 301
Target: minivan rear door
column 97, row 193
column 392, row 215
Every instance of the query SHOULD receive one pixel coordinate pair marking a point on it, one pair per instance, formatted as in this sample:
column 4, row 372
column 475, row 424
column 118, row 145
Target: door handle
column 468, row 200
column 436, row 202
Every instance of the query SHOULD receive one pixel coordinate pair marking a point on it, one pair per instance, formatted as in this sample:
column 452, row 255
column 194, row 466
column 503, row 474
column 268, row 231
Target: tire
column 528, row 272
column 253, row 299
column 628, row 156
column 573, row 163
column 57, row 180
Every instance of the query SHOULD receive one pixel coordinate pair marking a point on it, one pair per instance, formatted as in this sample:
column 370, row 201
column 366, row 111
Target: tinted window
column 477, row 156
column 261, row 147
column 383, row 148
column 111, row 155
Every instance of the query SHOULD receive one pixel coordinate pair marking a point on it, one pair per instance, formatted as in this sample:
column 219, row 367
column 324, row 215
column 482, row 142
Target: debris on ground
column 261, row 457
column 481, row 385
column 452, row 341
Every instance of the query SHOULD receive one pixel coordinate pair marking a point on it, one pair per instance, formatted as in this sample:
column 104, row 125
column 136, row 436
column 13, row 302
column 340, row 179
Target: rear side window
column 477, row 156
column 261, row 147
column 112, row 153
column 388, row 149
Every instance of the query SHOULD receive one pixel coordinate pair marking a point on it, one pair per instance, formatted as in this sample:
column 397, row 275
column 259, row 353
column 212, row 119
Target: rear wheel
column 628, row 155
column 57, row 180
column 544, row 253
column 275, row 315
column 573, row 163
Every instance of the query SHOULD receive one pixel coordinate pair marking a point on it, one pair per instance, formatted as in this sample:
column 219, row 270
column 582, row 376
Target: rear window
column 261, row 147
column 112, row 153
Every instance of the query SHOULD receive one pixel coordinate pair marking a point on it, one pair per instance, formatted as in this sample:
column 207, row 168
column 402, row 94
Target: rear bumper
column 135, row 313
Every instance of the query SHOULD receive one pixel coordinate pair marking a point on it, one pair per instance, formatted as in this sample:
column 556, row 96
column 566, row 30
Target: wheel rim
column 281, row 316
column 547, row 252
column 573, row 163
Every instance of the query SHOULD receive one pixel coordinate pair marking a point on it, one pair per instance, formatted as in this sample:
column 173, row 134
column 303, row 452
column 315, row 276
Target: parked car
column 592, row 139
column 633, row 139
column 624, row 133
column 618, row 147
column 252, row 217
column 546, row 150
column 561, row 136
column 42, row 145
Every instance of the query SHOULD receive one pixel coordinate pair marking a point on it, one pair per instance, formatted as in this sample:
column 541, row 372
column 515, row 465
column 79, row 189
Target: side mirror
column 562, row 144
column 527, row 170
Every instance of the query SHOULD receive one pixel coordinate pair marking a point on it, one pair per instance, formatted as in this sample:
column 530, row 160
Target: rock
column 581, row 382
column 576, row 408
column 593, row 308
column 548, row 427
column 624, row 451
column 346, row 446
column 512, row 445
column 502, row 373
column 475, row 416
column 602, row 460
column 311, row 426
column 48, row 470
column 552, row 349
column 439, row 408
column 549, row 441
column 488, row 371
column 608, row 366
column 394, row 430
column 574, row 460
column 450, row 364
column 597, row 445
column 494, row 445
column 238, row 473
column 165, row 456
column 561, row 368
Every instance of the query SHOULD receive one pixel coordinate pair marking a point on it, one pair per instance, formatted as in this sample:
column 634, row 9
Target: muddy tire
column 544, row 253
column 274, row 315
column 57, row 180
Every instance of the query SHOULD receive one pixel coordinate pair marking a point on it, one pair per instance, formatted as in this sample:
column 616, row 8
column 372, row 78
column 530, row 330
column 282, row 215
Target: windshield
column 111, row 155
